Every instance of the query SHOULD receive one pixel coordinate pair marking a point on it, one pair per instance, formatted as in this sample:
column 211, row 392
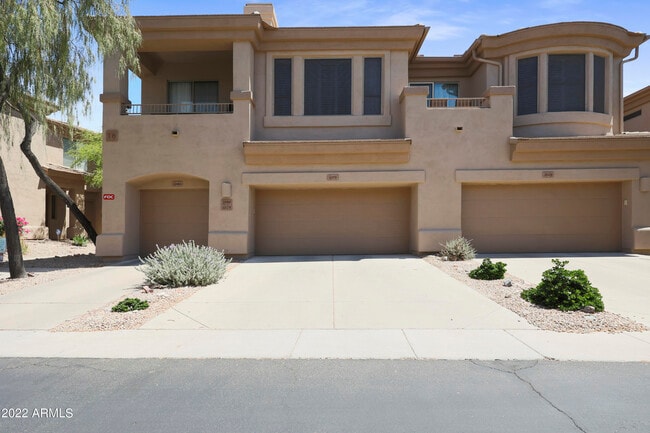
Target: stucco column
column 112, row 243
column 243, row 61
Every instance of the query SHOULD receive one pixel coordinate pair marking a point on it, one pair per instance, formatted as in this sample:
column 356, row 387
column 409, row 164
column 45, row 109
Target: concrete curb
column 330, row 344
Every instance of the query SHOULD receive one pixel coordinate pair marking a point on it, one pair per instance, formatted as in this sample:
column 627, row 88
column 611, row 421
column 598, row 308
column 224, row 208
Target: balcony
column 188, row 108
column 458, row 103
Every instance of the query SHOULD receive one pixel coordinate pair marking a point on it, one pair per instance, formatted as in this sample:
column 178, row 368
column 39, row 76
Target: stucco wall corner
column 413, row 91
column 641, row 239
column 499, row 91
column 431, row 240
column 110, row 245
column 644, row 184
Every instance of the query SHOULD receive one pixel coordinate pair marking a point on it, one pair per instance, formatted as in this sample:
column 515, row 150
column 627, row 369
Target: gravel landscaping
column 47, row 260
column 543, row 318
column 103, row 319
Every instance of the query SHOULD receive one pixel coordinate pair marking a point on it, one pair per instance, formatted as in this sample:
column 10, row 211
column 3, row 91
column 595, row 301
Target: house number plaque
column 333, row 176
column 112, row 135
column 226, row 204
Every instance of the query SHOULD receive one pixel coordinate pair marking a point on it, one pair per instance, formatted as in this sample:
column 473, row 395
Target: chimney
column 265, row 10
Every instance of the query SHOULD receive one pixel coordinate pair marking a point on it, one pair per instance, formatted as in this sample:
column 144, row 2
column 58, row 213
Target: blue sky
column 454, row 24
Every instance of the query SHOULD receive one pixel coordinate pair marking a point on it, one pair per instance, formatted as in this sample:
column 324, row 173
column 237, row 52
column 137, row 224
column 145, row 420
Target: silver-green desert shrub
column 185, row 264
column 458, row 249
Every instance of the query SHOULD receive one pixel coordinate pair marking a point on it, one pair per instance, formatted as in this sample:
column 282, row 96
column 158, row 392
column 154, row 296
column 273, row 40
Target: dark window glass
column 206, row 96
column 599, row 84
column 527, row 86
column 193, row 96
column 282, row 86
column 566, row 82
column 372, row 85
column 328, row 86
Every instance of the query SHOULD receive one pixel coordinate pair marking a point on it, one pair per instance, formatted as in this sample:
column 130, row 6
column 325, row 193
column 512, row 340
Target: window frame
column 193, row 108
column 357, row 118
column 543, row 78
column 316, row 93
column 431, row 85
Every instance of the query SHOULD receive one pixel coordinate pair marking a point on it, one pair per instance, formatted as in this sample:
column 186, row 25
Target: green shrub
column 458, row 249
column 130, row 304
column 489, row 271
column 184, row 264
column 79, row 240
column 564, row 289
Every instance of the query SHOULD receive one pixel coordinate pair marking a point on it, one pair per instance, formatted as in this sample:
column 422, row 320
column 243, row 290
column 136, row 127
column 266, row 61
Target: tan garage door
column 168, row 217
column 543, row 218
column 332, row 221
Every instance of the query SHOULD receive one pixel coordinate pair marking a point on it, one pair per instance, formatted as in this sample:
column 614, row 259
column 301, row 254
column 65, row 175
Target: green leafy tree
column 46, row 51
column 88, row 150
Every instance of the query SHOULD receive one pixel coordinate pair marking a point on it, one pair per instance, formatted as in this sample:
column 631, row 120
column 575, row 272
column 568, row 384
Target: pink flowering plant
column 22, row 226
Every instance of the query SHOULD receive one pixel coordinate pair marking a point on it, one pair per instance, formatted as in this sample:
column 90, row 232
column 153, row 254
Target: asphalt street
column 162, row 395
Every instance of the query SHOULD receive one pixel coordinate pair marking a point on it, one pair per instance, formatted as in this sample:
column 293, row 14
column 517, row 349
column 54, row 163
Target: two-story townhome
column 47, row 214
column 261, row 139
column 637, row 111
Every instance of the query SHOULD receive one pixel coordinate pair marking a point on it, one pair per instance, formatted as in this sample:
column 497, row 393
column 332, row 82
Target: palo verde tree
column 47, row 48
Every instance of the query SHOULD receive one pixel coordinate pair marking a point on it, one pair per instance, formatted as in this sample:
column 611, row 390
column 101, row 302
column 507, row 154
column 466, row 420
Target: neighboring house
column 42, row 209
column 637, row 110
column 260, row 139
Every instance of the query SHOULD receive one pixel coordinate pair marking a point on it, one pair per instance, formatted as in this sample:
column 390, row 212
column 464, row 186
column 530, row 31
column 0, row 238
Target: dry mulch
column 47, row 260
column 103, row 319
column 543, row 318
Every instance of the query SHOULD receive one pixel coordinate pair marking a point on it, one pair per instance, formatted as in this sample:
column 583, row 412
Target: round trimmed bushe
column 185, row 264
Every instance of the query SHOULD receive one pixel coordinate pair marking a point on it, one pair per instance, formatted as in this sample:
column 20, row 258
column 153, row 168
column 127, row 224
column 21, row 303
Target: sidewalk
column 331, row 344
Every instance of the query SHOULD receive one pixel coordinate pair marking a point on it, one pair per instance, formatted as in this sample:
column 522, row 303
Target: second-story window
column 193, row 96
column 328, row 86
column 599, row 84
column 566, row 82
column 566, row 85
column 527, row 86
column 440, row 94
column 372, row 85
column 282, row 85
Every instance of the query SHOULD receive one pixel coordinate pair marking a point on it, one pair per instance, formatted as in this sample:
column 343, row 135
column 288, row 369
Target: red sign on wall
column 108, row 196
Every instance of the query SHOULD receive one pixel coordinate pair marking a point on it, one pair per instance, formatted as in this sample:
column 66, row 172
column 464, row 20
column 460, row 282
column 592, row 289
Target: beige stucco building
column 637, row 111
column 261, row 139
column 44, row 211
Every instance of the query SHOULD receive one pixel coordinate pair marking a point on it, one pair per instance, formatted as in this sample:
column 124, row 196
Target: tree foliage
column 88, row 149
column 49, row 46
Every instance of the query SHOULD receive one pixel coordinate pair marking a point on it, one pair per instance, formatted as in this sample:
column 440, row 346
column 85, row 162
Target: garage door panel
column 543, row 218
column 337, row 221
column 168, row 217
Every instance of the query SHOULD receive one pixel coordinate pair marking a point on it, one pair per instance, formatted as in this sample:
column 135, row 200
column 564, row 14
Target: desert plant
column 566, row 290
column 184, row 264
column 488, row 271
column 458, row 249
column 79, row 240
column 130, row 304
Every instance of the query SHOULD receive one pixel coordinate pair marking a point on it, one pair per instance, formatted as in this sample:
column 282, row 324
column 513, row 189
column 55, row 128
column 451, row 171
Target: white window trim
column 298, row 119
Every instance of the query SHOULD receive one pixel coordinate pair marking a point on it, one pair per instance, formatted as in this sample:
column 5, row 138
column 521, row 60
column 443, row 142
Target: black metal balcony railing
column 458, row 103
column 146, row 109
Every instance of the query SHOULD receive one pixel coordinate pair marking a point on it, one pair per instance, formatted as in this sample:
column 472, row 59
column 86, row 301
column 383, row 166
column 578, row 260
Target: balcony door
column 193, row 96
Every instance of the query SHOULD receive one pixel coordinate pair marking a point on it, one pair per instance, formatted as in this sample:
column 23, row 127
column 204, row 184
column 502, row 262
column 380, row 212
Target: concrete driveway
column 337, row 292
column 623, row 279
